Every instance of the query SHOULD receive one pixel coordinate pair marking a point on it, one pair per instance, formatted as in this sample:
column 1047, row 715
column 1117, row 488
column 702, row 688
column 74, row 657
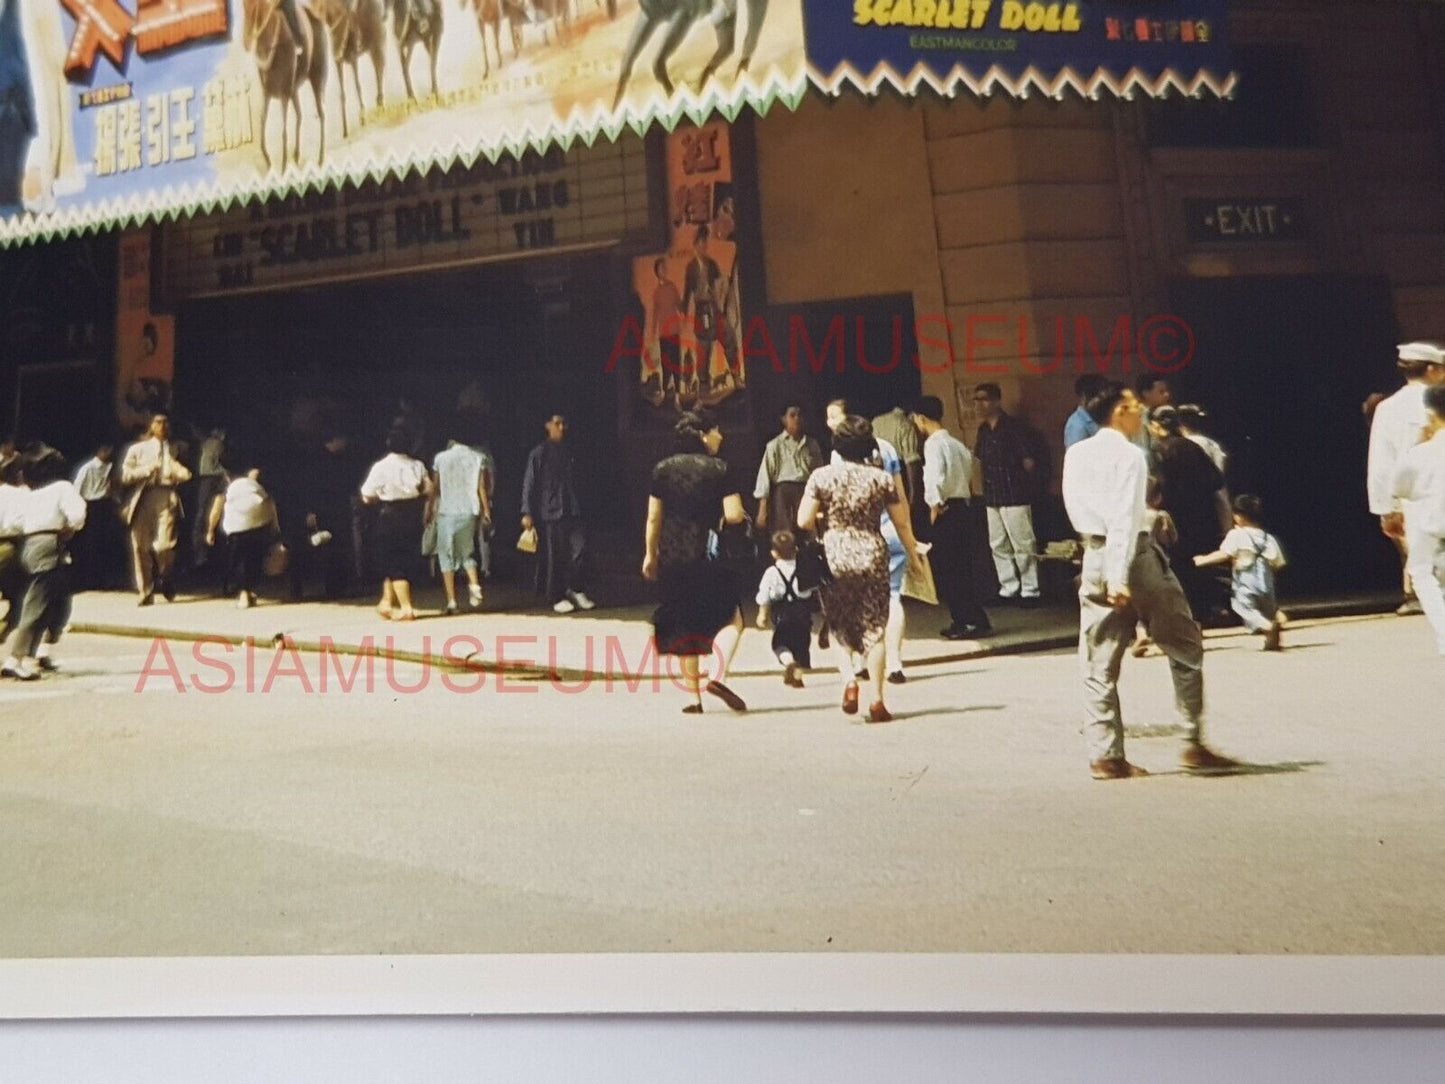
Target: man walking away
column 1398, row 424
column 1419, row 484
column 151, row 466
column 1126, row 579
column 211, row 484
column 461, row 502
column 788, row 459
column 92, row 546
column 947, row 483
column 1008, row 450
column 550, row 503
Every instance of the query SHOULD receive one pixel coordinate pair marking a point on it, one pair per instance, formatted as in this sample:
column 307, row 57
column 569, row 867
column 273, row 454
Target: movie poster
column 692, row 327
column 144, row 342
column 120, row 110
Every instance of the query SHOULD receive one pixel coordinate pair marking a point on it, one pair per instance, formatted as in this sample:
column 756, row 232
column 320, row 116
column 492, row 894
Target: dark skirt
column 398, row 538
column 699, row 600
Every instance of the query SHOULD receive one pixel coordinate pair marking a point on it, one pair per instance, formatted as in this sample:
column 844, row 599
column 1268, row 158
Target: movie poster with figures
column 692, row 326
column 144, row 341
column 117, row 111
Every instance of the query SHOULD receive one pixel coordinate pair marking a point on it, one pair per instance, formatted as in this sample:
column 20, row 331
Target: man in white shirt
column 1127, row 579
column 92, row 547
column 459, row 503
column 1397, row 426
column 151, row 466
column 1419, row 486
column 947, row 486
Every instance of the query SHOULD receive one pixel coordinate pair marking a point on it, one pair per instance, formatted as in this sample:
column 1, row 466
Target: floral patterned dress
column 853, row 498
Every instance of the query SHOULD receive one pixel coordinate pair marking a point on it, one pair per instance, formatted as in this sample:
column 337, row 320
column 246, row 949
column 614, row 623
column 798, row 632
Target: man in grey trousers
column 1126, row 580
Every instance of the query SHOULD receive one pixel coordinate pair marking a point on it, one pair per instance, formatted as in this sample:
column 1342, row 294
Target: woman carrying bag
column 400, row 485
column 247, row 515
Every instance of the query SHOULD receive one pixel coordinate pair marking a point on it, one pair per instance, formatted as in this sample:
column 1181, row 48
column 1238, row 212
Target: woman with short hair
column 700, row 612
column 399, row 483
column 852, row 497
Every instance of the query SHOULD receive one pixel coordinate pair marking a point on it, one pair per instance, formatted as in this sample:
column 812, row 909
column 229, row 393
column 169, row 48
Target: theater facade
column 892, row 197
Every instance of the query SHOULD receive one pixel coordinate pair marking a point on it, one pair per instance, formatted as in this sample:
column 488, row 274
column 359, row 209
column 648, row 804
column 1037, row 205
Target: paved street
column 503, row 821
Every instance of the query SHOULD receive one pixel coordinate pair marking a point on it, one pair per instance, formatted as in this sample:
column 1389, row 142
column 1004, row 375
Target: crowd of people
column 839, row 531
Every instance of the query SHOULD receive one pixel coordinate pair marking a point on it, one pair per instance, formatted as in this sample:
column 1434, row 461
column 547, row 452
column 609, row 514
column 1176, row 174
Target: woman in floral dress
column 851, row 497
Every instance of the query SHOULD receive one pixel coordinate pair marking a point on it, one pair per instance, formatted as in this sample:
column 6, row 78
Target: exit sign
column 1229, row 220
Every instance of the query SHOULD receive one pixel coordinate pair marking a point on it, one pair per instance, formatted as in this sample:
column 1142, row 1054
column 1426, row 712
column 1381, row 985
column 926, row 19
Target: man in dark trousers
column 1009, row 451
column 947, row 483
column 550, row 504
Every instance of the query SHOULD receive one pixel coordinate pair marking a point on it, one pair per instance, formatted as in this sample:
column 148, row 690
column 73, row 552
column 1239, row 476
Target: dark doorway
column 1282, row 366
column 281, row 365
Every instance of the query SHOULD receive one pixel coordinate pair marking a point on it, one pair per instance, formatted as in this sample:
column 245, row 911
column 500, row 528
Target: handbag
column 527, row 541
column 278, row 558
column 734, row 544
column 429, row 538
column 812, row 568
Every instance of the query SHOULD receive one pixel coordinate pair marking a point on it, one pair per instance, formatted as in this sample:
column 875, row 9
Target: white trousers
column 1426, row 563
column 1011, row 538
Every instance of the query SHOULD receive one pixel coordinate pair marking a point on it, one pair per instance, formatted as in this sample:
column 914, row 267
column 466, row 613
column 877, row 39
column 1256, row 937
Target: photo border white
column 677, row 983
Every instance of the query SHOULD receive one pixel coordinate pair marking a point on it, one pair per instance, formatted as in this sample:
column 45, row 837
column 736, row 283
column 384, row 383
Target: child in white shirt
column 1256, row 556
column 790, row 608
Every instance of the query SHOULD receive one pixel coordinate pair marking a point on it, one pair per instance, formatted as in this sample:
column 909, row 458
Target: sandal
column 850, row 698
column 406, row 615
column 384, row 612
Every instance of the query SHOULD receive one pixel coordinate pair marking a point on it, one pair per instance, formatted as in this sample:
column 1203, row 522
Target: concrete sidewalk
column 611, row 641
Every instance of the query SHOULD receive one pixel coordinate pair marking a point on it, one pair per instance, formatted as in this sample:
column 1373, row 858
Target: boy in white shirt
column 1257, row 556
column 790, row 609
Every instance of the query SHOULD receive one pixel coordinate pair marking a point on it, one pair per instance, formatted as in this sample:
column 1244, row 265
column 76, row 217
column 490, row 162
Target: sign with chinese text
column 691, row 334
column 1229, row 220
column 1018, row 45
column 130, row 110
column 468, row 214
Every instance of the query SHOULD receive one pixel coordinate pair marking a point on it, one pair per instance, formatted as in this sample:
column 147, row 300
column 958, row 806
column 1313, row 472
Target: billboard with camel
column 118, row 111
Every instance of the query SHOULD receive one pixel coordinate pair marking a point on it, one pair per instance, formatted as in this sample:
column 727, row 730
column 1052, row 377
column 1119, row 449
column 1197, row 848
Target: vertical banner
column 690, row 294
column 144, row 343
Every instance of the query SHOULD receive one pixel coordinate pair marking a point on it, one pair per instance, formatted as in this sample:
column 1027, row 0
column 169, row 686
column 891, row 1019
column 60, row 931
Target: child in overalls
column 790, row 608
column 1257, row 557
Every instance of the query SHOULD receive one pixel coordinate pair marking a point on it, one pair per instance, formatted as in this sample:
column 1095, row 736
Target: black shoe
column 48, row 664
column 1007, row 600
column 967, row 632
column 862, row 675
column 147, row 600
column 168, row 591
column 896, row 678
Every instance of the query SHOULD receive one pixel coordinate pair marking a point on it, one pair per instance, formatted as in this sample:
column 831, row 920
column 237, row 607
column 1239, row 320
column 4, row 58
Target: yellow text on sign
column 940, row 14
column 1049, row 18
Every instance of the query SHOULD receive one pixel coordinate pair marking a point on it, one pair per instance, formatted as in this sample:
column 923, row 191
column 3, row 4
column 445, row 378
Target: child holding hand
column 1256, row 556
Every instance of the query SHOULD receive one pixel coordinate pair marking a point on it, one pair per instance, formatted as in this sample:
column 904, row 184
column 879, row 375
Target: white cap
column 1422, row 351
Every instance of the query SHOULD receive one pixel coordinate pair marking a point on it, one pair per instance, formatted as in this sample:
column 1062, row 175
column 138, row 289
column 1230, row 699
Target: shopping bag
column 527, row 541
column 920, row 586
column 277, row 559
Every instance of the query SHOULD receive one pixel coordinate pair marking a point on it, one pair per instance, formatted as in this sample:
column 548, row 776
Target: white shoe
column 11, row 667
column 25, row 673
column 582, row 601
column 475, row 594
column 243, row 601
column 563, row 606
column 451, row 608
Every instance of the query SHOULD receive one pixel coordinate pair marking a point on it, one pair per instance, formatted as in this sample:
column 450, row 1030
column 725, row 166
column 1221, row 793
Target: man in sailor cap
column 1398, row 425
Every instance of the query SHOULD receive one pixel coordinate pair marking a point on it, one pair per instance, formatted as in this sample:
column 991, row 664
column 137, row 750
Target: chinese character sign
column 121, row 110
column 692, row 334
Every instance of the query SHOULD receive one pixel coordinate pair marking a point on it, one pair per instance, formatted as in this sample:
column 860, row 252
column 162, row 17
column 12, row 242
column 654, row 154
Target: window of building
column 1272, row 106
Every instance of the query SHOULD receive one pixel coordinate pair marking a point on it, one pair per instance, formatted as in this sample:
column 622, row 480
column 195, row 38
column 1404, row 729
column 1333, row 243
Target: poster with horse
column 127, row 110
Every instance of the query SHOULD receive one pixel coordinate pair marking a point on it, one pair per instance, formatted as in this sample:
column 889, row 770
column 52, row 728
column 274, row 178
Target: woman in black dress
column 700, row 612
column 1189, row 484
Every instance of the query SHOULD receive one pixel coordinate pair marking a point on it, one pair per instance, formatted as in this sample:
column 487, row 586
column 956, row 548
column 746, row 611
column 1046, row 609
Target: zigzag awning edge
column 581, row 123
column 1031, row 79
